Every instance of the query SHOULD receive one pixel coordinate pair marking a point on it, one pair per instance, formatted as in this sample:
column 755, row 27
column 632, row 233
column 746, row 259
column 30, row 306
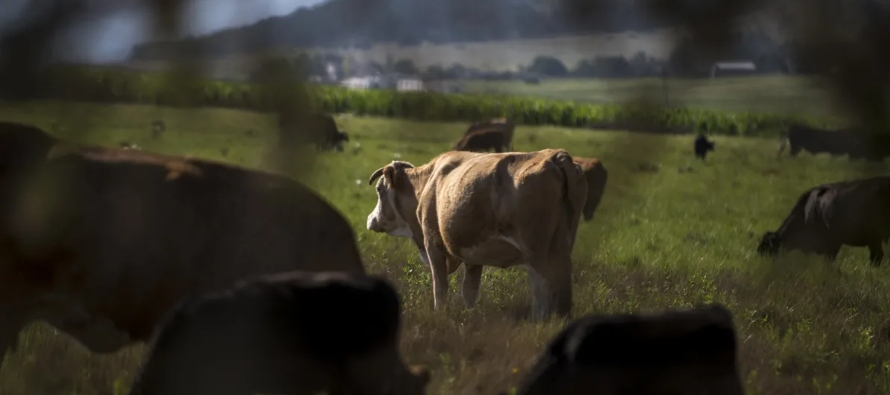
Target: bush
column 93, row 84
column 548, row 65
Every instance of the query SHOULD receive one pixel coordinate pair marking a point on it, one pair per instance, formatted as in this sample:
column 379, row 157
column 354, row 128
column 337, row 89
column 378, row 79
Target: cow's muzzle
column 374, row 224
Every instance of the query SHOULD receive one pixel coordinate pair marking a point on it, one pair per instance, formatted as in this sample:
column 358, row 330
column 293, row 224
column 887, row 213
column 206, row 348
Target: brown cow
column 295, row 333
column 488, row 209
column 690, row 351
column 496, row 134
column 99, row 242
column 596, row 176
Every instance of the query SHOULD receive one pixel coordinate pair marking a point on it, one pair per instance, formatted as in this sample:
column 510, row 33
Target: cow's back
column 855, row 209
column 295, row 328
column 149, row 233
column 484, row 194
column 686, row 351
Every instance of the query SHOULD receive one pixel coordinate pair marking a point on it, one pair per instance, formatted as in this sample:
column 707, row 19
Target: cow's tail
column 602, row 176
column 575, row 186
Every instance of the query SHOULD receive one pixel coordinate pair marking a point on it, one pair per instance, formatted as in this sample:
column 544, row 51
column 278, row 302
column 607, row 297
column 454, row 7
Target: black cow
column 702, row 146
column 828, row 216
column 802, row 137
column 494, row 134
column 314, row 128
column 295, row 333
column 689, row 351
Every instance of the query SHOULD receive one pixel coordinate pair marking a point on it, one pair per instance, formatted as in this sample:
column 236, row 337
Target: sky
column 109, row 36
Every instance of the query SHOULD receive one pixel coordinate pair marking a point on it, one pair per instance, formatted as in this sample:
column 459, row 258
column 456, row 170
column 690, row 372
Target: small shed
column 409, row 84
column 733, row 68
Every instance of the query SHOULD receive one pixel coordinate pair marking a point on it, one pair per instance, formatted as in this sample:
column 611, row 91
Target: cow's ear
column 389, row 173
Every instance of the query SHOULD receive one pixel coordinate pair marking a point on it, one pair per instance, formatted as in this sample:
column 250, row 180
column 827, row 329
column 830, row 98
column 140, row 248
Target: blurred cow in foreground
column 100, row 242
column 292, row 333
column 499, row 210
column 494, row 134
column 596, row 176
column 829, row 216
column 674, row 352
column 314, row 128
column 702, row 145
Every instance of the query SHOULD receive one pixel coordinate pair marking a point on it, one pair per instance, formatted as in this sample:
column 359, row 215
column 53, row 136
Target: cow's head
column 769, row 244
column 396, row 200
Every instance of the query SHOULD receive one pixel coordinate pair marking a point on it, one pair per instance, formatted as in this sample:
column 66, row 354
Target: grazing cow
column 596, row 176
column 293, row 333
column 317, row 129
column 99, row 242
column 815, row 141
column 488, row 209
column 702, row 146
column 828, row 216
column 494, row 134
column 690, row 351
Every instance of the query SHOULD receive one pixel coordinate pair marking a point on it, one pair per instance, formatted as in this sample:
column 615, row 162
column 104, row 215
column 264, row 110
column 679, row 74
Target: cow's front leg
column 439, row 273
column 875, row 253
column 470, row 286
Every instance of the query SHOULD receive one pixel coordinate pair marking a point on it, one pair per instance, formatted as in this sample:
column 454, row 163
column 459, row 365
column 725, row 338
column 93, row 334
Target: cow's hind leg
column 551, row 285
column 471, row 283
column 559, row 278
column 875, row 253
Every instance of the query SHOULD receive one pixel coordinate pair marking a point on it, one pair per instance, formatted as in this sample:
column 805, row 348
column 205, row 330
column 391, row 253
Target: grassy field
column 774, row 93
column 681, row 234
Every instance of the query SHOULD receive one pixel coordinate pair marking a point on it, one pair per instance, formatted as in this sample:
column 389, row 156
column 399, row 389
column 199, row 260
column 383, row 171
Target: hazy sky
column 109, row 36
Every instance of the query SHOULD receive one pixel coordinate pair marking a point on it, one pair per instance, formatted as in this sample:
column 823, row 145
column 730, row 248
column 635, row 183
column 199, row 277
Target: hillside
column 360, row 23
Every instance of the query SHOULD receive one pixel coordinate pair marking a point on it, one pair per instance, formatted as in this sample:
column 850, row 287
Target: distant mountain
column 359, row 23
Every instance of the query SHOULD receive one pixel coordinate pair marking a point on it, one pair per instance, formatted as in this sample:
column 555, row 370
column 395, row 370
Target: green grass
column 771, row 94
column 660, row 239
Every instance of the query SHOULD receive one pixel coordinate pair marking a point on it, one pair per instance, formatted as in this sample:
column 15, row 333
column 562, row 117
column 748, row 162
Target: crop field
column 766, row 93
column 671, row 231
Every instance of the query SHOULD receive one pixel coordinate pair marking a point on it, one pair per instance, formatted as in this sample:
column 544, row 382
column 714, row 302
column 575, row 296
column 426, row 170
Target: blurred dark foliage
column 840, row 40
column 843, row 38
column 25, row 50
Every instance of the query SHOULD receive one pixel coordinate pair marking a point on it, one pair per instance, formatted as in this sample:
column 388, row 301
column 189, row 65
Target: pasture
column 671, row 231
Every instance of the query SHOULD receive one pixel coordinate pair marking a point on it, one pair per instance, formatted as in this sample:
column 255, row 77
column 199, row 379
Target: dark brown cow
column 674, row 352
column 596, row 176
column 488, row 209
column 701, row 146
column 494, row 134
column 829, row 216
column 293, row 333
column 99, row 242
column 802, row 137
column 314, row 128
